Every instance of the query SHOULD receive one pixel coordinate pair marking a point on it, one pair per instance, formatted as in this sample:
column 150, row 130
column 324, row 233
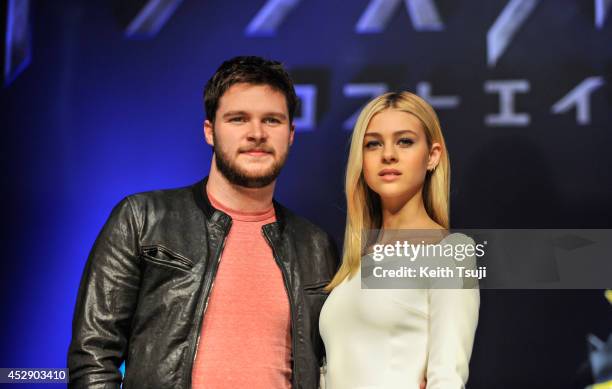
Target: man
column 213, row 285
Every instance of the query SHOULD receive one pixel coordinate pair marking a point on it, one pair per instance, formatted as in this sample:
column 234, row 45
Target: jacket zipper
column 291, row 308
column 203, row 304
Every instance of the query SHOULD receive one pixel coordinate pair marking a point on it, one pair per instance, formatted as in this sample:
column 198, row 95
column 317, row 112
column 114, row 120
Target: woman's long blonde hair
column 363, row 205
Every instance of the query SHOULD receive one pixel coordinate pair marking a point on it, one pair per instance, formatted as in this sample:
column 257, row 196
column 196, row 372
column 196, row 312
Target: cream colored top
column 394, row 338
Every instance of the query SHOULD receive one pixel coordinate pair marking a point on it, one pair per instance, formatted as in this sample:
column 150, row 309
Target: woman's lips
column 389, row 174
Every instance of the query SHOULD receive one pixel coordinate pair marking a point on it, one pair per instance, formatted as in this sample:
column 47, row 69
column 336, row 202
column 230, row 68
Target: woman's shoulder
column 457, row 237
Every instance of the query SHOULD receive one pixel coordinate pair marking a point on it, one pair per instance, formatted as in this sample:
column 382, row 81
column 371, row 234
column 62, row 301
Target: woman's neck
column 406, row 213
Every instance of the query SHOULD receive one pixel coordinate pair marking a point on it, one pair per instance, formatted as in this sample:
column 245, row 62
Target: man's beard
column 237, row 176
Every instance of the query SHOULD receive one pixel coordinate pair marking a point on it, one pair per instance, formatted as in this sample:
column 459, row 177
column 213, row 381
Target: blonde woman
column 397, row 179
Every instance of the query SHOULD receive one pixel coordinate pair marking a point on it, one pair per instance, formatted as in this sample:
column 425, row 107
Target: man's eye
column 237, row 119
column 405, row 142
column 272, row 121
column 372, row 144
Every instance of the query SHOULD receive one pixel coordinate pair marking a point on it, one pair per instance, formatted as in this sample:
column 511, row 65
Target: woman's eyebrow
column 398, row 132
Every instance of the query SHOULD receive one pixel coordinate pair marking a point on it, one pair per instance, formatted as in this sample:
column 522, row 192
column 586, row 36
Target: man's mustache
column 265, row 149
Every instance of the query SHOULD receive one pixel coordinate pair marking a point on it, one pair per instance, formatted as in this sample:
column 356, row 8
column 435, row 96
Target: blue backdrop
column 109, row 105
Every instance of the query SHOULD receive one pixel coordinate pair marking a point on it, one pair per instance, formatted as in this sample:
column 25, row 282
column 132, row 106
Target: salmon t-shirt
column 245, row 340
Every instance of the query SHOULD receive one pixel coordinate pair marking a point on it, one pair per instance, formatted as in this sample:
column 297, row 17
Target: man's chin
column 250, row 178
column 255, row 182
column 255, row 169
column 259, row 180
column 249, row 173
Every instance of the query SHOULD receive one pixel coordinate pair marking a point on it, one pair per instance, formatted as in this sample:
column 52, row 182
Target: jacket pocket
column 163, row 256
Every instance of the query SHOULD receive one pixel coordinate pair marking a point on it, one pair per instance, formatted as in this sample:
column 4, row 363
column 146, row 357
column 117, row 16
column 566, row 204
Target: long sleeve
column 106, row 300
column 452, row 326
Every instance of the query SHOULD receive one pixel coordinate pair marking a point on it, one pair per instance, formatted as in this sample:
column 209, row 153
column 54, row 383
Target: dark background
column 97, row 116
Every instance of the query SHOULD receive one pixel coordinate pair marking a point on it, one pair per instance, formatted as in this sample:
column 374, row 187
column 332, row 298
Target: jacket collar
column 216, row 216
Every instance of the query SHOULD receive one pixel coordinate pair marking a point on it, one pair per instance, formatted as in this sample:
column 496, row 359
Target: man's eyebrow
column 398, row 132
column 234, row 113
column 279, row 115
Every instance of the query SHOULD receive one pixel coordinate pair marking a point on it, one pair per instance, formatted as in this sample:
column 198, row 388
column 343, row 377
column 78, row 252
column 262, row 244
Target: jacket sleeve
column 453, row 318
column 106, row 300
column 333, row 258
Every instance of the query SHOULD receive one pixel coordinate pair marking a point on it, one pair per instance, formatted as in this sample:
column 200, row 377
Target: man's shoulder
column 161, row 204
column 163, row 197
column 305, row 228
column 314, row 245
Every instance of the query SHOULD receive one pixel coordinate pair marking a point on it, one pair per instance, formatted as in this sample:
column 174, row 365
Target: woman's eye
column 405, row 142
column 372, row 144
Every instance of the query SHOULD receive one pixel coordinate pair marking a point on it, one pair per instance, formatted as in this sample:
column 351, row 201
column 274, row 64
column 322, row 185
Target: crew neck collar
column 241, row 215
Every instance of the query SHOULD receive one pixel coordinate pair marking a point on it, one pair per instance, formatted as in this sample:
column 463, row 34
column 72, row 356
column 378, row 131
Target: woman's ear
column 435, row 151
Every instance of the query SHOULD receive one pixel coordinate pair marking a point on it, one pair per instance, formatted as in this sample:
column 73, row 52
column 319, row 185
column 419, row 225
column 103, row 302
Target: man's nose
column 257, row 132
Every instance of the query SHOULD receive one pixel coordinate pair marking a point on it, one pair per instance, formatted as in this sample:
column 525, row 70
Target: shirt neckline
column 241, row 215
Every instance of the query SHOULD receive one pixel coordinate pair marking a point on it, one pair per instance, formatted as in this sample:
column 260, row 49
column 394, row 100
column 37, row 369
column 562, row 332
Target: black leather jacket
column 147, row 281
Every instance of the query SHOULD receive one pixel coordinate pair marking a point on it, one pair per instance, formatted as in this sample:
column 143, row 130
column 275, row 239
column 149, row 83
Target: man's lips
column 256, row 152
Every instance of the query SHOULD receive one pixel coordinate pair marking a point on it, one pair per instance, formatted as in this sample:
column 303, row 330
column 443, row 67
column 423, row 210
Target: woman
column 397, row 179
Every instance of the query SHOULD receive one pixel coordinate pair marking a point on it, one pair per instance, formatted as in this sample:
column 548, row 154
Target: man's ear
column 208, row 132
column 291, row 134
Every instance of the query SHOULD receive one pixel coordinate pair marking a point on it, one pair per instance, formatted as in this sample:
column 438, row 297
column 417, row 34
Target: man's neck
column 238, row 197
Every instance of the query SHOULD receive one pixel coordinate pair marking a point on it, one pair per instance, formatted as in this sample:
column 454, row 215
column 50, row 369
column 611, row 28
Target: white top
column 393, row 338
